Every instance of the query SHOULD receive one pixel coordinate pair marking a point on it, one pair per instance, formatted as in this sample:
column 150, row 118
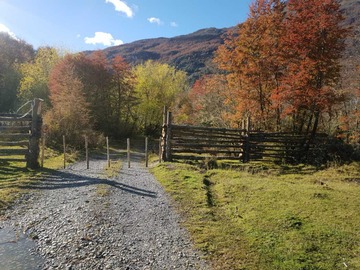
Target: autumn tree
column 70, row 112
column 94, row 73
column 314, row 41
column 123, row 98
column 157, row 85
column 283, row 63
column 207, row 103
column 35, row 75
column 13, row 52
column 252, row 57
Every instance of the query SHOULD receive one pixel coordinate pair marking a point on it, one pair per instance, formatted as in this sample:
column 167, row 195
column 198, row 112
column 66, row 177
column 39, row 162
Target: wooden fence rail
column 197, row 143
column 20, row 134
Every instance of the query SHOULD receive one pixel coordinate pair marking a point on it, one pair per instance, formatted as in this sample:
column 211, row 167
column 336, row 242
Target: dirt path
column 132, row 226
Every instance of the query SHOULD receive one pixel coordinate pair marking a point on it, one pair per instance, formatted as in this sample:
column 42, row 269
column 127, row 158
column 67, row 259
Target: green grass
column 268, row 217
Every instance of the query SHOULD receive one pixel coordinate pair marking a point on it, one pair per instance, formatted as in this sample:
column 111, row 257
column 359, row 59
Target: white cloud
column 174, row 24
column 155, row 20
column 5, row 29
column 121, row 6
column 103, row 38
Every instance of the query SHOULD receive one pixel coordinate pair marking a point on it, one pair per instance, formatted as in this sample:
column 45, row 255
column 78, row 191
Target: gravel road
column 133, row 226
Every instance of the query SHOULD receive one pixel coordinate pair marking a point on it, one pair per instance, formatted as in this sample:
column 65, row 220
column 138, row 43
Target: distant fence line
column 128, row 152
column 180, row 142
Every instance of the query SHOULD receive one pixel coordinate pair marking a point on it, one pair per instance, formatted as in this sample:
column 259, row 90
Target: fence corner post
column 36, row 123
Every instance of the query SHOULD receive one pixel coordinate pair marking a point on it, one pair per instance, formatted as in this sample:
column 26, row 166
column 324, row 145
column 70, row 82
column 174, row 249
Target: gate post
column 168, row 138
column 36, row 123
column 246, row 147
column 163, row 136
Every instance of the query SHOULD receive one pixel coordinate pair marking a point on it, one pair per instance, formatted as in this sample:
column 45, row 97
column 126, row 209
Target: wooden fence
column 20, row 135
column 197, row 143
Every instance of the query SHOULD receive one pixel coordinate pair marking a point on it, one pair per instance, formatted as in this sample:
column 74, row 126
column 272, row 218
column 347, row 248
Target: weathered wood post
column 163, row 136
column 108, row 152
column 160, row 149
column 43, row 149
column 128, row 151
column 246, row 157
column 36, row 122
column 146, row 152
column 87, row 152
column 64, row 146
column 168, row 156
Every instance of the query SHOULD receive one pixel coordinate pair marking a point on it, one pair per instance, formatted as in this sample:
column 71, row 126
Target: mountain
column 193, row 53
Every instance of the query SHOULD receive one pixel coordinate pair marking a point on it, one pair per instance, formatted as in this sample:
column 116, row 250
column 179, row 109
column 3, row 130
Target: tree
column 157, row 85
column 70, row 113
column 252, row 58
column 314, row 41
column 206, row 103
column 123, row 99
column 35, row 75
column 349, row 120
column 13, row 52
column 283, row 64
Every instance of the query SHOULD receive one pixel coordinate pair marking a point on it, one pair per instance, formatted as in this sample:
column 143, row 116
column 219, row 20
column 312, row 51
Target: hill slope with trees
column 193, row 53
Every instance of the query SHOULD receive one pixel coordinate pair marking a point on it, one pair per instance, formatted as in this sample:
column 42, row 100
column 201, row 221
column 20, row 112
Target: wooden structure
column 197, row 143
column 20, row 135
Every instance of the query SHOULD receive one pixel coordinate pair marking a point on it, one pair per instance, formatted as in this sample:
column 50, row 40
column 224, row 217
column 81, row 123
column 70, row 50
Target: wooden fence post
column 87, row 152
column 64, row 146
column 163, row 136
column 146, row 152
column 128, row 151
column 36, row 122
column 160, row 149
column 246, row 157
column 107, row 152
column 43, row 149
column 168, row 137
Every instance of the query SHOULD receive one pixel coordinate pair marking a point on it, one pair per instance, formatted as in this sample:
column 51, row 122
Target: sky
column 79, row 25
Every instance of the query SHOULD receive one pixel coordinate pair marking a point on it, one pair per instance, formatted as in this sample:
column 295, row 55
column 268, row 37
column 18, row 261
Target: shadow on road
column 53, row 179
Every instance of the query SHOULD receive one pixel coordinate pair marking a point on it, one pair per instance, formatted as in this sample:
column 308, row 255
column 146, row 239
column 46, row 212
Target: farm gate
column 20, row 135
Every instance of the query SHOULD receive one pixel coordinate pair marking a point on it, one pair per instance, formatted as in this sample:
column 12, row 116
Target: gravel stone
column 134, row 226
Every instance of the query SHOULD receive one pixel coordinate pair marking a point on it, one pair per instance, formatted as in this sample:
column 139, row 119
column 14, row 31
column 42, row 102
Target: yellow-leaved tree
column 157, row 85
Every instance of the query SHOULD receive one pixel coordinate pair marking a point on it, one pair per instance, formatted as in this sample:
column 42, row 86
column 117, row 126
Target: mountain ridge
column 193, row 53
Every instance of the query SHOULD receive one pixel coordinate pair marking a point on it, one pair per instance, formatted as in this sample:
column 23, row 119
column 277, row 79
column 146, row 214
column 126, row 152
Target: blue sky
column 78, row 25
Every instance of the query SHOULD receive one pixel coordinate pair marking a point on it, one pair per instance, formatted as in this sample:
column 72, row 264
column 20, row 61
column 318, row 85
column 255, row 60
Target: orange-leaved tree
column 252, row 56
column 206, row 103
column 70, row 113
column 313, row 41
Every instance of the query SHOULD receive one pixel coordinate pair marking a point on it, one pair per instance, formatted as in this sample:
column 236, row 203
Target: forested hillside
column 193, row 53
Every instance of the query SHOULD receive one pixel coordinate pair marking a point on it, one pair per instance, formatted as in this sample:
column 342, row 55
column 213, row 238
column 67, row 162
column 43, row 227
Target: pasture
column 265, row 216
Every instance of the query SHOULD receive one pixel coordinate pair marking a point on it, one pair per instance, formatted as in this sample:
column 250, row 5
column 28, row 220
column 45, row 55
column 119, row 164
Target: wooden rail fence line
column 197, row 143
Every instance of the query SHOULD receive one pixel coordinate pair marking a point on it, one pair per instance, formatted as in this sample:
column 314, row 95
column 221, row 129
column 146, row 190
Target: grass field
column 267, row 217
